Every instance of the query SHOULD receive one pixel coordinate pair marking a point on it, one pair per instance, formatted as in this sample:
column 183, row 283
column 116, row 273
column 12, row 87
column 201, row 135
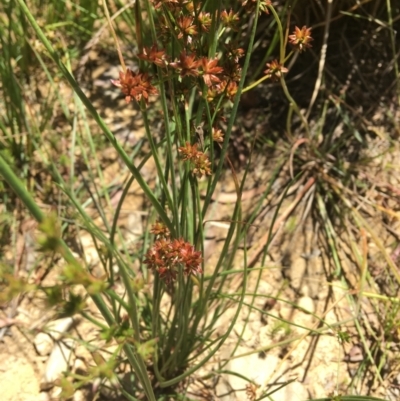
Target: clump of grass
column 190, row 66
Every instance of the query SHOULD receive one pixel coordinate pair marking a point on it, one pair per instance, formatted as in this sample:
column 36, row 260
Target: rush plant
column 191, row 70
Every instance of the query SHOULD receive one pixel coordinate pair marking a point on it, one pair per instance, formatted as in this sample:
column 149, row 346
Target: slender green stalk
column 232, row 118
column 295, row 107
column 157, row 161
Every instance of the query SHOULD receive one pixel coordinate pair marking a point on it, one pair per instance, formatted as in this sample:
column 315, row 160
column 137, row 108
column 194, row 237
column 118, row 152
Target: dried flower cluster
column 275, row 70
column 250, row 5
column 251, row 391
column 135, row 86
column 230, row 19
column 168, row 256
column 215, row 78
column 301, row 38
column 220, row 76
column 217, row 135
column 201, row 163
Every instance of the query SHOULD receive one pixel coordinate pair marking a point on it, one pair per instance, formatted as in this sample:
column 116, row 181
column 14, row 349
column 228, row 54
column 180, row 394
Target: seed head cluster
column 250, row 5
column 168, row 257
column 135, row 86
column 215, row 78
column 201, row 163
column 301, row 38
column 275, row 70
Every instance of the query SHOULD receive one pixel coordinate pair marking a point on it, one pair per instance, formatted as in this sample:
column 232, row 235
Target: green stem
column 232, row 118
column 282, row 60
column 281, row 37
column 254, row 84
column 156, row 158
column 295, row 107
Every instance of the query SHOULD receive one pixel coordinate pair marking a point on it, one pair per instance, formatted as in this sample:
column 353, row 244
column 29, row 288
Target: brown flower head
column 301, row 38
column 251, row 391
column 231, row 90
column 250, row 5
column 167, row 256
column 178, row 5
column 204, row 20
column 201, row 165
column 188, row 152
column 188, row 257
column 234, row 53
column 153, row 55
column 275, row 70
column 230, row 19
column 135, row 86
column 212, row 92
column 210, row 70
column 217, row 135
column 190, row 7
column 186, row 65
column 200, row 162
column 160, row 230
column 216, row 90
column 186, row 28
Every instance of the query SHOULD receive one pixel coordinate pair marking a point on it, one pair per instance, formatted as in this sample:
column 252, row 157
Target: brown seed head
column 275, row 70
column 301, row 38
